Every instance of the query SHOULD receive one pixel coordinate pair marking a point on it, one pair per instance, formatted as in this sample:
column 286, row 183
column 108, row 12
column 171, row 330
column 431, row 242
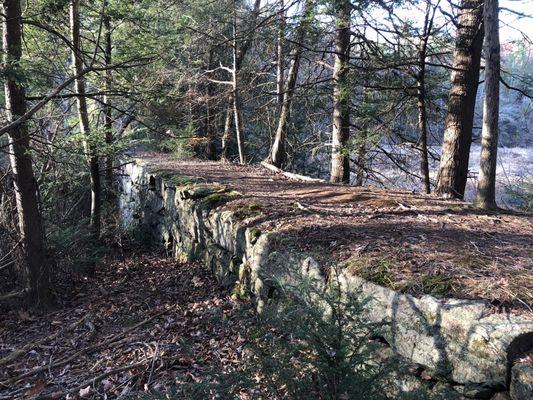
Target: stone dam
column 462, row 348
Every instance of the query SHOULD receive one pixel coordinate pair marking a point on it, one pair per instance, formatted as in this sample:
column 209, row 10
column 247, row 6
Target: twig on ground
column 156, row 352
column 91, row 382
column 17, row 353
column 11, row 295
column 290, row 175
column 111, row 340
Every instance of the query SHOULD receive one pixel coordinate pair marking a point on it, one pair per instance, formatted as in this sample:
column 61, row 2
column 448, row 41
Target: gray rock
column 484, row 390
column 458, row 340
column 522, row 381
column 501, row 396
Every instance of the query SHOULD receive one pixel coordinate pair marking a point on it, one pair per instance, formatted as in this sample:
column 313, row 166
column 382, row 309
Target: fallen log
column 291, row 175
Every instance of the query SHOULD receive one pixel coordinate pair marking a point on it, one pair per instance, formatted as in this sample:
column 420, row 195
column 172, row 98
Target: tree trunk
column 108, row 110
column 277, row 153
column 422, row 129
column 340, row 160
column 486, row 187
column 83, row 116
column 239, row 128
column 280, row 70
column 461, row 102
column 36, row 269
column 421, row 97
column 210, row 116
column 361, row 158
column 234, row 107
column 226, row 137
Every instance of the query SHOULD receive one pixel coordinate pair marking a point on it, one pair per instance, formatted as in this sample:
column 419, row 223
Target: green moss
column 439, row 285
column 201, row 192
column 220, row 196
column 431, row 317
column 172, row 178
column 181, row 256
column 180, row 181
column 240, row 292
column 254, row 234
column 248, row 209
column 479, row 348
column 379, row 271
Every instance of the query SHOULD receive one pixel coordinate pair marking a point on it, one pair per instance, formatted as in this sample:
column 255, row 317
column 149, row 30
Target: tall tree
column 236, row 95
column 280, row 55
column 486, row 187
column 210, row 128
column 83, row 116
column 233, row 113
column 108, row 109
column 277, row 152
column 461, row 102
column 36, row 270
column 421, row 93
column 340, row 160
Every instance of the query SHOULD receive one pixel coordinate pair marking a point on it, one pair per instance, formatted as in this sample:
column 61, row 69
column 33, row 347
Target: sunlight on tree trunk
column 210, row 129
column 461, row 102
column 237, row 117
column 486, row 187
column 340, row 160
column 278, row 152
column 234, row 112
column 280, row 55
column 421, row 96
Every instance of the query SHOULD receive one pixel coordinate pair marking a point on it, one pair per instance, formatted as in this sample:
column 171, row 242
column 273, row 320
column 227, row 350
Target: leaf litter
column 143, row 324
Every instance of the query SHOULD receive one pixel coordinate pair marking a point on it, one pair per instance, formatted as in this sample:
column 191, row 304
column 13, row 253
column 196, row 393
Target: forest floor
column 414, row 243
column 147, row 324
column 140, row 325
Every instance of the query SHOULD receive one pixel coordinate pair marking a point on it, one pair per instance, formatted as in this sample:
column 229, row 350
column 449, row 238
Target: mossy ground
column 385, row 271
column 221, row 196
column 248, row 209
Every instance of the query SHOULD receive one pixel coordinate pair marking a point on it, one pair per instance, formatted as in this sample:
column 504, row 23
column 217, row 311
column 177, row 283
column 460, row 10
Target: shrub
column 313, row 343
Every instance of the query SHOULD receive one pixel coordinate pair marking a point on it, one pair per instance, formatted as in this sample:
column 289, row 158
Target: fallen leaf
column 85, row 391
column 36, row 389
column 107, row 384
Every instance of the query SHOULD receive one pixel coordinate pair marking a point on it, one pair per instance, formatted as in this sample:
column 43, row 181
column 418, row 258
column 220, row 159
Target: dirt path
column 143, row 324
column 413, row 243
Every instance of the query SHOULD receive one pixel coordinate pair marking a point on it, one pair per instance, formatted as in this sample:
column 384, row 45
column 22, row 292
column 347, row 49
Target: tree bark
column 226, row 137
column 461, row 102
column 239, row 126
column 108, row 110
column 83, row 116
column 277, row 153
column 422, row 128
column 421, row 96
column 280, row 55
column 361, row 158
column 210, row 115
column 36, row 270
column 486, row 187
column 234, row 107
column 340, row 160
